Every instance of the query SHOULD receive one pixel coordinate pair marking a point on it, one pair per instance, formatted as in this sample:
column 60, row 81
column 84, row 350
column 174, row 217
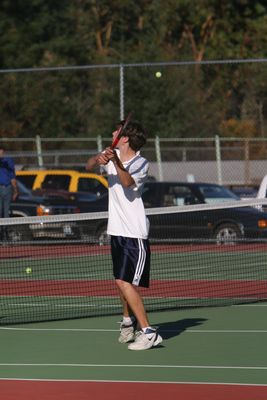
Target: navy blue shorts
column 131, row 260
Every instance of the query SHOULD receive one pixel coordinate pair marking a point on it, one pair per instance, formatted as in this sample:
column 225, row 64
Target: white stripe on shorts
column 140, row 263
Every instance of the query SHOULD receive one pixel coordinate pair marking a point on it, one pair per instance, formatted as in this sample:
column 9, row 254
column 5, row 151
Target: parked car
column 245, row 192
column 68, row 180
column 31, row 203
column 28, row 204
column 164, row 194
column 219, row 225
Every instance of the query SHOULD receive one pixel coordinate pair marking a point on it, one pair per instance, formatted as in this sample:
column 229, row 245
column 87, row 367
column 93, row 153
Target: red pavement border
column 83, row 390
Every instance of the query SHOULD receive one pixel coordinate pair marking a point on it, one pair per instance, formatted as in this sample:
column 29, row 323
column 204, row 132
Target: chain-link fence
column 207, row 120
column 230, row 161
column 173, row 99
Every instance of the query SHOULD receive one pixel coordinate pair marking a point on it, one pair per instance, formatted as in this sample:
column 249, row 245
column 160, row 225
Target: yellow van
column 64, row 179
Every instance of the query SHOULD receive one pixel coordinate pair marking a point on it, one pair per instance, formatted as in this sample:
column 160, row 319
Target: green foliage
column 189, row 100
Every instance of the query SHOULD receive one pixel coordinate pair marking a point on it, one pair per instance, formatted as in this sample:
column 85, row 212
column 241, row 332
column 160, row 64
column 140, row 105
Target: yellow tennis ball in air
column 158, row 74
column 28, row 270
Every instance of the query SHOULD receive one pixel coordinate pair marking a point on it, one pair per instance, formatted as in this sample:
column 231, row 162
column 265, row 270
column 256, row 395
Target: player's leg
column 132, row 301
column 128, row 324
column 131, row 265
column 147, row 337
column 7, row 201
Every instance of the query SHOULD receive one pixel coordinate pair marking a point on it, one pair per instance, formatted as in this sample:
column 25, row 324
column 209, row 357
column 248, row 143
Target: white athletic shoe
column 127, row 332
column 144, row 341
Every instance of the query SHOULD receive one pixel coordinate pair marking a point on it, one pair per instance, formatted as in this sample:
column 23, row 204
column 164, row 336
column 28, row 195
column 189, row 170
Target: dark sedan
column 224, row 225
column 42, row 203
column 30, row 205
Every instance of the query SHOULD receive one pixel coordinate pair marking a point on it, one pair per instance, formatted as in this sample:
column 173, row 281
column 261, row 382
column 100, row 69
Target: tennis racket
column 120, row 131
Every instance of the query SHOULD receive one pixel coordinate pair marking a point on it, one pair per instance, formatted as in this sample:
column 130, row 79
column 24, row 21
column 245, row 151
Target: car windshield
column 216, row 194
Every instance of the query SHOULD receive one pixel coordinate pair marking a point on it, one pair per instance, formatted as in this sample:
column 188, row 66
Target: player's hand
column 107, row 155
column 110, row 153
column 104, row 157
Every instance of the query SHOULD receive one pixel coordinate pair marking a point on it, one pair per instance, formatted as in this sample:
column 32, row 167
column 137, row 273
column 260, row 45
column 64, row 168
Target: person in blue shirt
column 8, row 183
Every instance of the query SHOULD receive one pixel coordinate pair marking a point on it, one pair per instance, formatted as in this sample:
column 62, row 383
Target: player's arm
column 91, row 163
column 124, row 176
column 95, row 161
column 110, row 155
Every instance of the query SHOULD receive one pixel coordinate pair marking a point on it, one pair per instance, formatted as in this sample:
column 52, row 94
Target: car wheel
column 102, row 236
column 227, row 234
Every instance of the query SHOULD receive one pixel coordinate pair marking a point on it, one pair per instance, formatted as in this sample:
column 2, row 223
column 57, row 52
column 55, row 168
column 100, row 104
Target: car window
column 215, row 194
column 179, row 196
column 91, row 185
column 167, row 195
column 58, row 182
column 27, row 180
column 149, row 197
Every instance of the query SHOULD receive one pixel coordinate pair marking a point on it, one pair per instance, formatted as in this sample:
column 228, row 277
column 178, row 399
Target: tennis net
column 60, row 267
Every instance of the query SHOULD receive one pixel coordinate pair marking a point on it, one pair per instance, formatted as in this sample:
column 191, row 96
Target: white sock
column 127, row 320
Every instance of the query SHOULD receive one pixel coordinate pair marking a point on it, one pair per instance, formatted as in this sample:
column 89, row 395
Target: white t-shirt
column 126, row 209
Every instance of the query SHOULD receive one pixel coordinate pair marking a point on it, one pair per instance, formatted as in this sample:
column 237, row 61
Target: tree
column 190, row 100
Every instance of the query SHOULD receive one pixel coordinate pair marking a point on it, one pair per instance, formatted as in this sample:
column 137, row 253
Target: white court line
column 146, row 366
column 116, row 330
column 126, row 381
column 257, row 304
column 251, row 305
column 222, row 331
column 59, row 329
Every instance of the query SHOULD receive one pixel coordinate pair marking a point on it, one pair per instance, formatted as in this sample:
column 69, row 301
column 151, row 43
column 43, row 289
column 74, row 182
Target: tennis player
column 128, row 228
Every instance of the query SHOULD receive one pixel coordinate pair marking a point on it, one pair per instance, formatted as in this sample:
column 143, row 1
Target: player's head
column 136, row 134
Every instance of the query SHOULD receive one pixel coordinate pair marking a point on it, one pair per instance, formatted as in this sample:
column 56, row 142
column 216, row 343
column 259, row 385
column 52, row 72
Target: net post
column 218, row 159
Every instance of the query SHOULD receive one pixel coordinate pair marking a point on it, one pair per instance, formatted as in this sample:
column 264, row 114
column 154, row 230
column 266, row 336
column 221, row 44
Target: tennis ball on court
column 158, row 74
column 28, row 270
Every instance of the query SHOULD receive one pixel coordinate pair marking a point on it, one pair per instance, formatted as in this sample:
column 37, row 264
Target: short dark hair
column 2, row 147
column 136, row 133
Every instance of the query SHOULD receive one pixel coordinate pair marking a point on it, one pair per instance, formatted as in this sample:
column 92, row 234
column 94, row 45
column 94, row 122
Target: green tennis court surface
column 222, row 345
column 57, row 282
column 212, row 319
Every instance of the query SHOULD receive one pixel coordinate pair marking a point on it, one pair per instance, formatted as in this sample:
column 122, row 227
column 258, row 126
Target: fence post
column 158, row 157
column 121, row 92
column 99, row 143
column 218, row 159
column 39, row 151
column 247, row 162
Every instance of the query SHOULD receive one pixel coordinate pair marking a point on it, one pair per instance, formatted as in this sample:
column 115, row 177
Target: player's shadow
column 174, row 328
